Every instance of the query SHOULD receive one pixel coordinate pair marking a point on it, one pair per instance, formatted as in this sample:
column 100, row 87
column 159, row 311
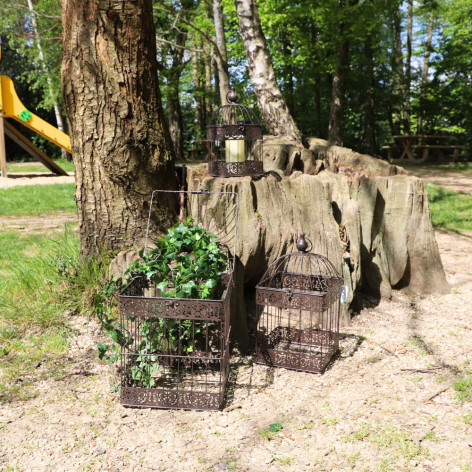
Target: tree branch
column 196, row 28
column 178, row 46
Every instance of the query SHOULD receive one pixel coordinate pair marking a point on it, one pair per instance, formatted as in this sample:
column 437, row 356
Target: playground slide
column 11, row 107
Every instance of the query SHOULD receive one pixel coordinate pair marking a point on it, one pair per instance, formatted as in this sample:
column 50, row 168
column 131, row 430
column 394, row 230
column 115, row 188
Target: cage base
column 298, row 349
column 163, row 398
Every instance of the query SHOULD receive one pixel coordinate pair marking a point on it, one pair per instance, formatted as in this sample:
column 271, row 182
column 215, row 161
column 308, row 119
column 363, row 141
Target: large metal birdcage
column 177, row 355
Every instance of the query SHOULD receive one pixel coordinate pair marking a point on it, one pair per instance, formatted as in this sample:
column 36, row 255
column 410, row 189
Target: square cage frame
column 182, row 378
column 298, row 317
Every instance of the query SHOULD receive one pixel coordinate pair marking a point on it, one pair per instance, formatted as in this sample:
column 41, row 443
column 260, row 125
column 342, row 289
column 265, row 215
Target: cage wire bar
column 188, row 366
column 298, row 309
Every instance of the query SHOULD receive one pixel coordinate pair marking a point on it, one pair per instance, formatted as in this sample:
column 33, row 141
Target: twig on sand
column 390, row 353
column 436, row 394
column 431, row 370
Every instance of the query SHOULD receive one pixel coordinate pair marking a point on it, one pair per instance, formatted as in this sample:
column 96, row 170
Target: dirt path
column 37, row 223
column 386, row 404
column 37, row 178
column 457, row 180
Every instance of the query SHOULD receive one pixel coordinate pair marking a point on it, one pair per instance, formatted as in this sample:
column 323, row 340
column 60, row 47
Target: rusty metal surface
column 298, row 308
column 235, row 169
column 234, row 125
column 176, row 353
column 188, row 380
column 133, row 303
column 221, row 132
column 172, row 398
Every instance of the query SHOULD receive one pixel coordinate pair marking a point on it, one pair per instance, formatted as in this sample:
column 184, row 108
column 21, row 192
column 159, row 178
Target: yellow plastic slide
column 11, row 107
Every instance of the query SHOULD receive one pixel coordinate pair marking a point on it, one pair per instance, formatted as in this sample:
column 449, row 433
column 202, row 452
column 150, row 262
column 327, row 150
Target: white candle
column 235, row 150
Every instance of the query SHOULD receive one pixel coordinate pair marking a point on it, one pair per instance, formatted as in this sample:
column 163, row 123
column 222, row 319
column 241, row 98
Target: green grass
column 43, row 282
column 463, row 389
column 37, row 199
column 450, row 210
column 13, row 168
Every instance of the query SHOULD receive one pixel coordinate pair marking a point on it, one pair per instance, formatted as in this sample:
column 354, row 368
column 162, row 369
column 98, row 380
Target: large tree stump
column 370, row 219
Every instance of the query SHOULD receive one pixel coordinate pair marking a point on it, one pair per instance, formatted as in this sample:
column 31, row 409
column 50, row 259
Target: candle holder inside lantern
column 234, row 141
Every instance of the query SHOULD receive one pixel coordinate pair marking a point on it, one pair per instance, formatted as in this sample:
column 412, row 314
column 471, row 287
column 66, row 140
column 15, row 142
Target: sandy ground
column 37, row 178
column 457, row 180
column 386, row 404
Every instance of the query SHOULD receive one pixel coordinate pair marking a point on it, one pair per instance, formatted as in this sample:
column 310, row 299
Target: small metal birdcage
column 298, row 308
column 177, row 349
column 234, row 140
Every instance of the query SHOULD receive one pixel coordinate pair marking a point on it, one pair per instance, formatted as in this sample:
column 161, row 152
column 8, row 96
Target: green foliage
column 68, row 166
column 36, row 78
column 274, row 427
column 186, row 263
column 37, row 199
column 43, row 281
column 16, row 25
column 449, row 210
column 463, row 389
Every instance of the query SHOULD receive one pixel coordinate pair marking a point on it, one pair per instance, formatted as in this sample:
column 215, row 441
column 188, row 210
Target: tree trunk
column 222, row 58
column 336, row 112
column 407, row 88
column 318, row 119
column 197, row 80
column 369, row 144
column 208, row 85
column 174, row 110
column 397, row 73
column 383, row 211
column 275, row 113
column 424, row 77
column 174, row 113
column 289, row 86
column 120, row 145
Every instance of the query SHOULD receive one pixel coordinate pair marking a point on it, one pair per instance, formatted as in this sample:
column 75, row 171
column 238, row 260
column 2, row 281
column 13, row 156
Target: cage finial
column 302, row 245
column 231, row 96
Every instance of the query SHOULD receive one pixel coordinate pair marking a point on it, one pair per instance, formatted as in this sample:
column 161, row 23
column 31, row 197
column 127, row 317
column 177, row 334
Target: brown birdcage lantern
column 234, row 140
column 298, row 309
column 176, row 353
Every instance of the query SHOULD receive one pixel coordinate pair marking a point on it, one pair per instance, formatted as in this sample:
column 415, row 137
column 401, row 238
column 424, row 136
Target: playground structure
column 11, row 107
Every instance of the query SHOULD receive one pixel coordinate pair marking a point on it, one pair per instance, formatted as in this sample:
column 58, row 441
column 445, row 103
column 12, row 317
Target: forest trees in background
column 353, row 71
column 31, row 34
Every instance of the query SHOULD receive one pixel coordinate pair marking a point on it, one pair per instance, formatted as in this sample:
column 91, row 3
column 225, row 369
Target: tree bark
column 174, row 110
column 406, row 101
column 383, row 210
column 198, row 72
column 174, row 113
column 336, row 112
column 369, row 144
column 208, row 84
column 318, row 118
column 424, row 76
column 397, row 72
column 120, row 144
column 289, row 86
column 222, row 58
column 276, row 115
